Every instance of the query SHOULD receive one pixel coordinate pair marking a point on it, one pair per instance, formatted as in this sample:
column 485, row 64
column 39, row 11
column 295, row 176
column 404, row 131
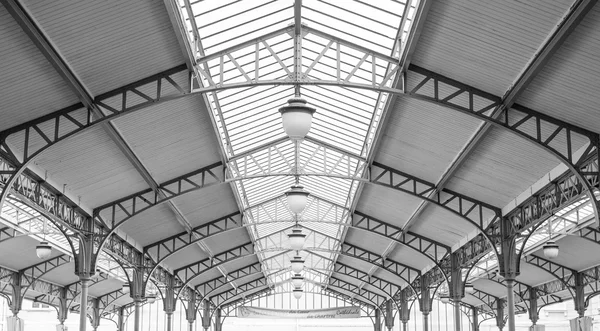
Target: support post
column 533, row 306
column 190, row 312
column 457, row 290
column 16, row 294
column 425, row 302
column 377, row 321
column 579, row 299
column 510, row 301
column 218, row 321
column 85, row 267
column 500, row 314
column 169, row 301
column 137, row 294
column 389, row 315
column 509, row 266
column 137, row 314
column 121, row 319
column 206, row 315
column 474, row 318
column 95, row 318
column 63, row 308
column 404, row 312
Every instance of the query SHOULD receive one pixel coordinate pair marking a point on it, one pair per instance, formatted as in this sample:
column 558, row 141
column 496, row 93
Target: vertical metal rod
column 297, row 45
column 169, row 321
column 425, row 321
column 83, row 303
column 457, row 315
column 136, row 316
column 511, row 304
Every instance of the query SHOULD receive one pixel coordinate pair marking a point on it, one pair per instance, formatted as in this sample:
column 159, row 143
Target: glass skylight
column 251, row 44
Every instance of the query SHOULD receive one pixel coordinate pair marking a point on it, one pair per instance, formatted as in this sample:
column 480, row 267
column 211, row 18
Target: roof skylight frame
column 231, row 108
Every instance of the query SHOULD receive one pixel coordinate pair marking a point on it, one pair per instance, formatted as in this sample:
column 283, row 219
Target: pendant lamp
column 297, row 239
column 296, row 118
column 297, row 264
column 43, row 250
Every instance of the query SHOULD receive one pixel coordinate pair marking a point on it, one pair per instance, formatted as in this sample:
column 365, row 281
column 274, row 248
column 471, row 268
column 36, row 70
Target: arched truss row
column 69, row 219
column 316, row 288
column 165, row 248
column 190, row 272
column 250, row 286
column 432, row 250
column 209, row 287
column 386, row 287
column 230, row 309
column 28, row 276
column 69, row 293
column 104, row 302
column 477, row 213
column 357, row 291
column 214, row 285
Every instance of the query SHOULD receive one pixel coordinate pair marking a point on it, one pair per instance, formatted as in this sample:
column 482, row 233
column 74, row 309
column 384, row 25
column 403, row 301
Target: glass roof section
column 250, row 48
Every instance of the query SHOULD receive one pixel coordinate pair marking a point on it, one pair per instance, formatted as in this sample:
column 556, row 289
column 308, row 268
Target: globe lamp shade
column 296, row 118
column 297, row 280
column 151, row 298
column 297, row 293
column 444, row 298
column 297, row 239
column 296, row 198
column 43, row 250
column 297, row 264
column 550, row 249
column 469, row 288
column 125, row 289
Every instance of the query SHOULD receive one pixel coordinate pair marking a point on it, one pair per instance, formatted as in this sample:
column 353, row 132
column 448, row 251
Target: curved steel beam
column 563, row 274
column 165, row 248
column 29, row 275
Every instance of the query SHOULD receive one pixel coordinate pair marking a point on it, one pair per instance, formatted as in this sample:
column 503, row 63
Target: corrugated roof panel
column 567, row 87
column 500, row 38
column 387, row 204
column 422, row 139
column 172, row 138
column 571, row 249
column 29, row 86
column 409, row 257
column 62, row 275
column 185, row 257
column 153, row 225
column 92, row 167
column 207, row 204
column 225, row 241
column 14, row 257
column 501, row 167
column 109, row 45
column 388, row 276
column 367, row 240
column 441, row 225
column 532, row 275
column 206, row 275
